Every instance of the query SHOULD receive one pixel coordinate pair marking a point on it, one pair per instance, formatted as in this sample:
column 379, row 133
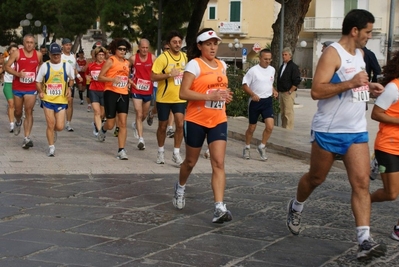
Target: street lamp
column 235, row 46
column 26, row 23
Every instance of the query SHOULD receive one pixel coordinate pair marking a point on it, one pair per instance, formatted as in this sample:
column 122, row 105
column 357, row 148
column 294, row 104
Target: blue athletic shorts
column 22, row 93
column 264, row 107
column 53, row 106
column 338, row 143
column 194, row 134
column 145, row 98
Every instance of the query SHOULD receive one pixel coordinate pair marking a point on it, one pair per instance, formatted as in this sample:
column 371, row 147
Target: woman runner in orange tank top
column 205, row 85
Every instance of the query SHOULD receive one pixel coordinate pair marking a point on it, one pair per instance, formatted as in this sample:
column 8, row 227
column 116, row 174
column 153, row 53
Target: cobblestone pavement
column 86, row 208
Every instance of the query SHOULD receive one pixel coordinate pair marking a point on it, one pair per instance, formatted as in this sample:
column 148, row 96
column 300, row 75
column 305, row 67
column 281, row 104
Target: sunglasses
column 121, row 48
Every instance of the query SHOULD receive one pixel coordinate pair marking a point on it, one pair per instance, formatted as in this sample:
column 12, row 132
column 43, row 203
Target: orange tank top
column 208, row 113
column 118, row 69
column 387, row 139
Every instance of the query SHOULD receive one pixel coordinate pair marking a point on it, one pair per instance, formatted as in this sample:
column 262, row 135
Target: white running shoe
column 161, row 157
column 207, row 154
column 122, row 155
column 141, row 144
column 51, row 151
column 17, row 128
column 262, row 153
column 178, row 200
column 176, row 158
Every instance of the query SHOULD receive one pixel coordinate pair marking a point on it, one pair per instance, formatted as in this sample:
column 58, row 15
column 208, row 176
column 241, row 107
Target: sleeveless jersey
column 387, row 138
column 30, row 67
column 55, row 84
column 344, row 113
column 80, row 65
column 142, row 75
column 168, row 90
column 94, row 70
column 121, row 70
column 208, row 113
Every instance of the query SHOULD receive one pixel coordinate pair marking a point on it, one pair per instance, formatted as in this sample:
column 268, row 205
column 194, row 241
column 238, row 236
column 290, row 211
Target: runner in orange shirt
column 205, row 85
column 386, row 147
column 115, row 74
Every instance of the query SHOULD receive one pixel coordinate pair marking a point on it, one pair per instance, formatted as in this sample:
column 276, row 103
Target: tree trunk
column 195, row 21
column 295, row 11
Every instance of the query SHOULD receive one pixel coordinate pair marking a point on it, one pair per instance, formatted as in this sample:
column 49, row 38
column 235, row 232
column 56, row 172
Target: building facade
column 246, row 23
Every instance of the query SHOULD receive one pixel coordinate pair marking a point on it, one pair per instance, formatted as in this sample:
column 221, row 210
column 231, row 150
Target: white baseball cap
column 207, row 35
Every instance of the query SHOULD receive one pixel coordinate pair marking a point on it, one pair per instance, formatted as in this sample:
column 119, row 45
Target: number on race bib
column 214, row 104
column 54, row 89
column 94, row 74
column 178, row 79
column 122, row 83
column 361, row 94
column 143, row 85
column 29, row 77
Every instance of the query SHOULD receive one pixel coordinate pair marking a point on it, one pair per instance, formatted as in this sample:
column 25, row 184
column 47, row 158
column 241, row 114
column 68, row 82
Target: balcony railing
column 331, row 24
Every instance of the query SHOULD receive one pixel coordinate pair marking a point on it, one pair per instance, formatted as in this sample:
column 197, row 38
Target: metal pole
column 390, row 30
column 235, row 61
column 281, row 32
column 159, row 27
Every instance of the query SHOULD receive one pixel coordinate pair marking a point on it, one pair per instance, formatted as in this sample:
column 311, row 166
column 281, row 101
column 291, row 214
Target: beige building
column 324, row 21
column 248, row 22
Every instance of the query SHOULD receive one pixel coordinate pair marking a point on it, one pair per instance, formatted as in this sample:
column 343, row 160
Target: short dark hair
column 172, row 34
column 264, row 50
column 356, row 18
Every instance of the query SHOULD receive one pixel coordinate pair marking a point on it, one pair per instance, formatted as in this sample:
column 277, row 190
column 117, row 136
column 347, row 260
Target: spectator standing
column 288, row 79
column 373, row 69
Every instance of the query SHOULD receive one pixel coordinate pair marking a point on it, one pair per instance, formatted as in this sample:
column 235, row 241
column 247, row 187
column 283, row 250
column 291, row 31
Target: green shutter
column 212, row 12
column 349, row 5
column 235, row 11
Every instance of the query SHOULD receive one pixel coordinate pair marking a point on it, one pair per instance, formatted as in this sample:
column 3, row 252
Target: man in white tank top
column 339, row 126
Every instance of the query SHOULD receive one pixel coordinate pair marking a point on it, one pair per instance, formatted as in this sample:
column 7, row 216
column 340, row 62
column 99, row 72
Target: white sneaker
column 246, row 153
column 135, row 133
column 11, row 127
column 141, row 144
column 51, row 151
column 207, row 154
column 176, row 158
column 69, row 128
column 262, row 153
column 161, row 157
column 17, row 128
column 122, row 155
column 88, row 108
column 101, row 136
column 178, row 200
